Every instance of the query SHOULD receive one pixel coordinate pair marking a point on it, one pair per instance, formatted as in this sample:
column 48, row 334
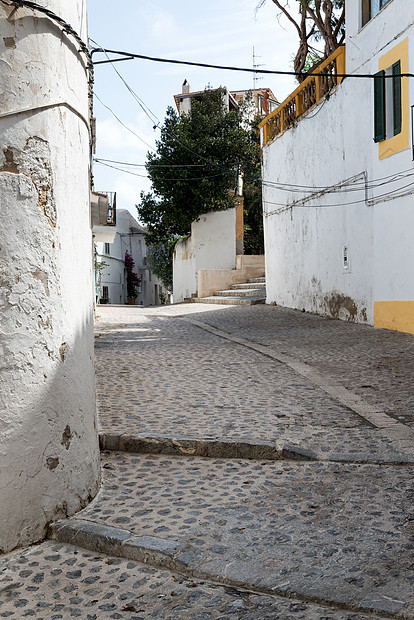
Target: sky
column 220, row 32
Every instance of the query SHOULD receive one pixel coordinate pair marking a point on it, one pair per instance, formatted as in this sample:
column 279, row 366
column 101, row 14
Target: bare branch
column 288, row 15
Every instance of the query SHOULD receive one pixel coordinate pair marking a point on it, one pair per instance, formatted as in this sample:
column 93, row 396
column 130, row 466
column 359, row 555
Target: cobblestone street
column 257, row 464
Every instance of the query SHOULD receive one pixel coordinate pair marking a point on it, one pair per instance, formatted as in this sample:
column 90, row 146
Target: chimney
column 186, row 87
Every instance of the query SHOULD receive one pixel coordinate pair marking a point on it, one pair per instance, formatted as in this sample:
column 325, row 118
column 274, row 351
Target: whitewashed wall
column 49, row 456
column 212, row 245
column 332, row 144
column 129, row 237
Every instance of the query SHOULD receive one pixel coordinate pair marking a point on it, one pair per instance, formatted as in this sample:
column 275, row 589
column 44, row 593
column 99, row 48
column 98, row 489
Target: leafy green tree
column 159, row 259
column 197, row 161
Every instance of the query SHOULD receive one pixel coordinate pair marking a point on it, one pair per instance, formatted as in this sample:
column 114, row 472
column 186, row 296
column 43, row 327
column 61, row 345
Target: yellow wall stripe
column 397, row 315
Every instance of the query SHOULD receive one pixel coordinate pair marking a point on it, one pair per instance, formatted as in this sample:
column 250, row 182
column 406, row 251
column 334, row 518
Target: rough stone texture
column 377, row 364
column 58, row 582
column 49, row 455
column 333, row 532
column 229, row 392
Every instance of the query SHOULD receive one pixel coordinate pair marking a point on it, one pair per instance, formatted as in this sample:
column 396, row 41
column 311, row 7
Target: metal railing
column 307, row 94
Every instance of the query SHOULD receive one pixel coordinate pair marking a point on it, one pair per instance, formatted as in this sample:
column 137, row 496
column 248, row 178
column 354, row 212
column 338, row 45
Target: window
column 370, row 8
column 105, row 293
column 107, row 248
column 387, row 103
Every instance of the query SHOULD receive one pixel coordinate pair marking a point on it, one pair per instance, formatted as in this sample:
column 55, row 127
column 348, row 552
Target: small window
column 387, row 103
column 107, row 248
column 370, row 8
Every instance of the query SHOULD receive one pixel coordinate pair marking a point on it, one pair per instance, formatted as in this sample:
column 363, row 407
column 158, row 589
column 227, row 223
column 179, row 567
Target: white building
column 49, row 452
column 338, row 178
column 232, row 99
column 111, row 273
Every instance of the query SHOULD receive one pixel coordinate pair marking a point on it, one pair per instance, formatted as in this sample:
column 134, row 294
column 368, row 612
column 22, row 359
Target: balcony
column 103, row 216
column 312, row 90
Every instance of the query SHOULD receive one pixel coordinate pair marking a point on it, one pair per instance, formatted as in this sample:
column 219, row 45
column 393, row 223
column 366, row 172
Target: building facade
column 111, row 275
column 338, row 171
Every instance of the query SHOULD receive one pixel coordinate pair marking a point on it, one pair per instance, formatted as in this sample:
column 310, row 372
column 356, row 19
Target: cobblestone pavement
column 58, row 582
column 376, row 363
column 190, row 383
column 277, row 525
column 331, row 538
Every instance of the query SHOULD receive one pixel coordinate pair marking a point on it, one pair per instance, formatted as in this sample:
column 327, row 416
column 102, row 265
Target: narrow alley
column 257, row 463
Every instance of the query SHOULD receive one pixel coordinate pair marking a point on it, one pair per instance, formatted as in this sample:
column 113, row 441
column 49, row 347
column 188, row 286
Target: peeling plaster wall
column 49, row 457
column 334, row 143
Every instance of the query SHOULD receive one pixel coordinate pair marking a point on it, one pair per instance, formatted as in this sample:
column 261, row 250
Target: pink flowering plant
column 133, row 281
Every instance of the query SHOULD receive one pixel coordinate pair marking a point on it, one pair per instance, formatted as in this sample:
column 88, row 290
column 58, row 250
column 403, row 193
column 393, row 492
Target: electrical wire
column 123, row 124
column 144, row 107
column 231, row 68
column 126, row 163
column 340, row 204
column 135, row 174
column 152, row 117
column 66, row 27
column 344, row 188
column 321, row 187
column 340, row 188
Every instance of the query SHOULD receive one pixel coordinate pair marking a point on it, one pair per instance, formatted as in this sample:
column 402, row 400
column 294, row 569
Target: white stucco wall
column 129, row 237
column 333, row 144
column 49, row 455
column 212, row 245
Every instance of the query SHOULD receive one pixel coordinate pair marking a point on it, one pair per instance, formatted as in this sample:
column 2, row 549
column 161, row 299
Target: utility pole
column 49, row 454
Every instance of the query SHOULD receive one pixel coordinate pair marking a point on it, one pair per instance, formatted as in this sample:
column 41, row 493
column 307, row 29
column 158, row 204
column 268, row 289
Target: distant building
column 232, row 99
column 111, row 275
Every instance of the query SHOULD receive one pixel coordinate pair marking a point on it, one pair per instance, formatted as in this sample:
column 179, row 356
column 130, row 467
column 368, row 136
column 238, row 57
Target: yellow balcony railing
column 309, row 92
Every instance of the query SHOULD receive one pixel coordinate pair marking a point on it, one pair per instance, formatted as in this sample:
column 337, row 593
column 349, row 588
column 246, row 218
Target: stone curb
column 169, row 554
column 399, row 434
column 211, row 448
column 115, row 541
column 230, row 449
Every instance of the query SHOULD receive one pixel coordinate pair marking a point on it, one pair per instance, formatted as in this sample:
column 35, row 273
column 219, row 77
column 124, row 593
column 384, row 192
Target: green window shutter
column 379, row 106
column 396, row 95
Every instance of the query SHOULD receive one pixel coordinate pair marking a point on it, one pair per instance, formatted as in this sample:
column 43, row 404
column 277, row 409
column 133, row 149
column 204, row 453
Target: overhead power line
column 152, row 117
column 300, row 204
column 131, row 56
column 123, row 124
column 128, row 163
column 185, row 179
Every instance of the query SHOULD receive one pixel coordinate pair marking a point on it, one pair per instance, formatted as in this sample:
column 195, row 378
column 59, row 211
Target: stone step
column 230, row 300
column 248, row 285
column 246, row 292
column 261, row 279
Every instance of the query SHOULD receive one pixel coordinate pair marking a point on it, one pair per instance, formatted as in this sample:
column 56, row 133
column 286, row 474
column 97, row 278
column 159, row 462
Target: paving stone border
column 232, row 449
column 55, row 581
column 210, row 448
column 401, row 435
column 164, row 553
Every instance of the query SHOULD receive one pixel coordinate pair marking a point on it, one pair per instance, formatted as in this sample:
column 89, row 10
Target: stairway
column 248, row 294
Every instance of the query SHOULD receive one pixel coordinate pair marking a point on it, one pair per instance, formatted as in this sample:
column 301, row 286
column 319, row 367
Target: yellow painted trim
column 338, row 53
column 396, row 315
column 400, row 142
